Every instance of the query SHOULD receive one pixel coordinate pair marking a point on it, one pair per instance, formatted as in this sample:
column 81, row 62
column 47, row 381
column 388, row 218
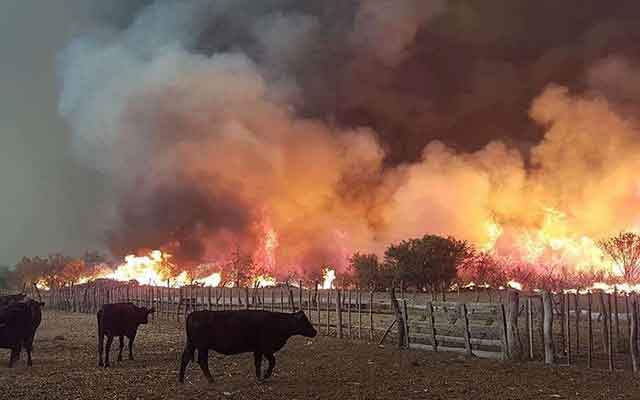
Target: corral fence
column 594, row 329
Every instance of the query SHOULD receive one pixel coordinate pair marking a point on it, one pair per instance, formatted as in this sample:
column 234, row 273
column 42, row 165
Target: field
column 322, row 368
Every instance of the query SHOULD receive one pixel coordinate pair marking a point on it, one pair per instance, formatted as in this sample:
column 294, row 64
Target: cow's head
column 302, row 325
column 142, row 314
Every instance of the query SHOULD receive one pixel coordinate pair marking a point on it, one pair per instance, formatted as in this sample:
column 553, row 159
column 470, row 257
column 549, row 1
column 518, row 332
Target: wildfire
column 514, row 285
column 211, row 280
column 42, row 285
column 552, row 243
column 263, row 281
column 328, row 276
column 152, row 269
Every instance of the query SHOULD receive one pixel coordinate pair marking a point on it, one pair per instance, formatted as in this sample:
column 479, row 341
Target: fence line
column 596, row 329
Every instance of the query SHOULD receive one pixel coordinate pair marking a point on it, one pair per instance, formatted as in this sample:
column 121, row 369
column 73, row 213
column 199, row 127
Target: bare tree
column 624, row 250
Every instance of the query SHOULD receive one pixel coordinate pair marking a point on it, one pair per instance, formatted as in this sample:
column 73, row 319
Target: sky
column 145, row 123
column 46, row 198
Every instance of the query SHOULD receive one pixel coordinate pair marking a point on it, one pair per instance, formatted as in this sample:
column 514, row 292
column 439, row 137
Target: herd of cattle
column 227, row 332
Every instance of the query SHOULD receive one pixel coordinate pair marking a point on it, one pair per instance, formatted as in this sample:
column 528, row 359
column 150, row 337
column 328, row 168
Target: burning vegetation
column 245, row 148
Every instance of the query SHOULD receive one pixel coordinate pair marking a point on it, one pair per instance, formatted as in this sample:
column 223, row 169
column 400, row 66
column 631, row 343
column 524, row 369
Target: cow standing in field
column 120, row 319
column 233, row 332
column 11, row 298
column 19, row 321
column 35, row 314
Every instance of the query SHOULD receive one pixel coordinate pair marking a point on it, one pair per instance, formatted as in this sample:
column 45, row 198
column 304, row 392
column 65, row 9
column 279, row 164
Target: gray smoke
column 340, row 124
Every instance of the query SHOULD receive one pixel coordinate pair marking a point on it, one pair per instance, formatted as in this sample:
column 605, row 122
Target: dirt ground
column 65, row 367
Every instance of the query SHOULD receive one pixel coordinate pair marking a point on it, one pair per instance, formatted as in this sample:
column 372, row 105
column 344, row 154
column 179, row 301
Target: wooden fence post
column 577, row 311
column 318, row 308
column 590, row 330
column 339, row 312
column 610, row 334
column 406, row 322
column 513, row 341
column 530, row 326
column 349, row 312
column 563, row 326
column 467, row 334
column 371, row 332
column 328, row 310
column 434, row 340
column 548, row 328
column 399, row 317
column 180, row 302
column 567, row 327
column 605, row 327
column 359, row 295
column 616, row 342
column 633, row 336
column 300, row 294
column 627, row 308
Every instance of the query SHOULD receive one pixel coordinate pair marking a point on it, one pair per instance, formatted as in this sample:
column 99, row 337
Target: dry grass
column 65, row 367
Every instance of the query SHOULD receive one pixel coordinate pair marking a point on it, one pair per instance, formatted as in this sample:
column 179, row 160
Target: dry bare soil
column 65, row 367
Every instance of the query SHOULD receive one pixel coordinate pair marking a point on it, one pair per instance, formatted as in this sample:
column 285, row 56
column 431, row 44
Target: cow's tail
column 100, row 336
column 189, row 347
column 188, row 355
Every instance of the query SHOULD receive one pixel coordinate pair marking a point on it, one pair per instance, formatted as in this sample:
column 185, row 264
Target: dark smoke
column 348, row 123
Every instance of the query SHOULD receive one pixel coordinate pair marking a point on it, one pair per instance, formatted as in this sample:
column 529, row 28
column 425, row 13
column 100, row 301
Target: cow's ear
column 151, row 311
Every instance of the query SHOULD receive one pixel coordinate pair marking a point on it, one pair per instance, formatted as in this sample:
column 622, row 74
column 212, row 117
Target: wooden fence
column 595, row 329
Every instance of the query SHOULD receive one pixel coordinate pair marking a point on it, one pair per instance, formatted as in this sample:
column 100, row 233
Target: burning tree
column 238, row 271
column 624, row 250
column 483, row 269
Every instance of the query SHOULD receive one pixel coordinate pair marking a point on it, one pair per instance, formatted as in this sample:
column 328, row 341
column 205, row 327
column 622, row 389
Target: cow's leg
column 29, row 348
column 15, row 355
column 257, row 361
column 272, row 363
column 107, row 350
column 100, row 348
column 121, row 347
column 203, row 360
column 187, row 357
column 131, row 339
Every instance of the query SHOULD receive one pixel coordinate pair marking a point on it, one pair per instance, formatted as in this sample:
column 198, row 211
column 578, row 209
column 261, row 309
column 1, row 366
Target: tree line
column 54, row 270
column 432, row 263
column 428, row 263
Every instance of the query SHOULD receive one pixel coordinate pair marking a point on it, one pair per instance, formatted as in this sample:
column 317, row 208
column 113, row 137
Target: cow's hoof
column 100, row 364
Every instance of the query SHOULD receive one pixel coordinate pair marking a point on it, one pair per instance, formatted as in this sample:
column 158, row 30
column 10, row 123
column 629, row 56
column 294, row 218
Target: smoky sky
column 466, row 77
column 462, row 72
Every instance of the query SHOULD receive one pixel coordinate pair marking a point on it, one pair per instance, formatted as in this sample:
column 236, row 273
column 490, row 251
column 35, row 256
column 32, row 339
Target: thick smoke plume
column 345, row 125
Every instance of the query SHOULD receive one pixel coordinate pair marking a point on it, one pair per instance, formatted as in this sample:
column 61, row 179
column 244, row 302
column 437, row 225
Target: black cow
column 15, row 327
column 35, row 313
column 11, row 298
column 19, row 320
column 120, row 319
column 235, row 332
